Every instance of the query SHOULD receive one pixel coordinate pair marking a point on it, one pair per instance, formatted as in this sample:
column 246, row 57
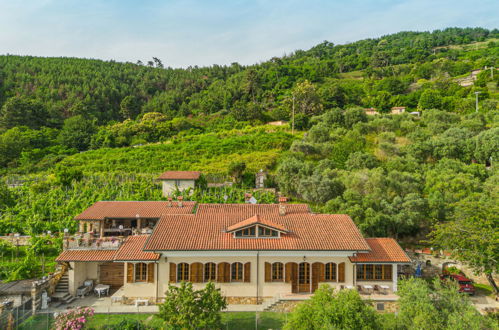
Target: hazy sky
column 183, row 33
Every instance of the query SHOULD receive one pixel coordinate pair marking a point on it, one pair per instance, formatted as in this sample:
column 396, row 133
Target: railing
column 106, row 243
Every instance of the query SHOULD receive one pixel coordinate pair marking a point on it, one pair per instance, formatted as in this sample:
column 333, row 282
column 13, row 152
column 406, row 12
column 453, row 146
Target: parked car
column 465, row 284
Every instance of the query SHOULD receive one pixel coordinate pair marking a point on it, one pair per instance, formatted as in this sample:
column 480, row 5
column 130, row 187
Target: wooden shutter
column 129, row 273
column 220, row 272
column 173, row 273
column 196, row 274
column 320, row 271
column 268, row 272
column 247, row 272
column 226, row 272
column 288, row 272
column 341, row 272
column 150, row 273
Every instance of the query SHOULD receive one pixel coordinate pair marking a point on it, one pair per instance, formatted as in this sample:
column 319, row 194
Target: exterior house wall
column 141, row 289
column 81, row 271
column 169, row 186
column 245, row 289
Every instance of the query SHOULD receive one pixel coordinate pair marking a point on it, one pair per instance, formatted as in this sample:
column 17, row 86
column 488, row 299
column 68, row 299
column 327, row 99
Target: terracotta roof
column 130, row 209
column 86, row 255
column 256, row 219
column 248, row 210
column 204, row 231
column 382, row 250
column 132, row 250
column 180, row 175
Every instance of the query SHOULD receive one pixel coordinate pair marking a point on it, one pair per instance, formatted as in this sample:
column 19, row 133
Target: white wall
column 169, row 186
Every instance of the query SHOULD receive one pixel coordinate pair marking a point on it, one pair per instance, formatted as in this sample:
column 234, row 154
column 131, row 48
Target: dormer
column 256, row 227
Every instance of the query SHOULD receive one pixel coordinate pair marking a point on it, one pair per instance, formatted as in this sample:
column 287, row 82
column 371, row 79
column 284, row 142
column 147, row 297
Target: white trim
column 226, row 253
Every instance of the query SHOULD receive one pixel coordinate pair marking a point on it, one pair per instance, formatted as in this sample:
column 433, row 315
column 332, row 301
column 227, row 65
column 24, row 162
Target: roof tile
column 179, row 175
column 130, row 209
column 86, row 255
column 382, row 250
column 132, row 250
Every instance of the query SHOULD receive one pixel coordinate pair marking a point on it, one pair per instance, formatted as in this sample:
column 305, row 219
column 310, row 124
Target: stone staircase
column 62, row 290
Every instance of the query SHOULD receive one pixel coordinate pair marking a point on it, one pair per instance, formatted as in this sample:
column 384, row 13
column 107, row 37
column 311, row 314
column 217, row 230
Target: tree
column 353, row 116
column 430, row 99
column 129, row 107
column 328, row 309
column 321, row 187
column 472, row 235
column 487, row 146
column 77, row 132
column 236, row 170
column 186, row 308
column 23, row 111
column 359, row 160
column 306, row 99
column 440, row 307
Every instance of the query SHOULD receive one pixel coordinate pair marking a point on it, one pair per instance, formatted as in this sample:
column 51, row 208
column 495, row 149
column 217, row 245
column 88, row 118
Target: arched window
column 330, row 272
column 140, row 272
column 210, row 272
column 277, row 271
column 183, row 272
column 237, row 271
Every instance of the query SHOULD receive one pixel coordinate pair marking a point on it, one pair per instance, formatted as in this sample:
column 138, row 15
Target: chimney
column 282, row 205
column 180, row 199
column 170, row 201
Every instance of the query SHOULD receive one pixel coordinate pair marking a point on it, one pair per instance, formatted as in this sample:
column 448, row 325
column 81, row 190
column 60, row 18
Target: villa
column 253, row 252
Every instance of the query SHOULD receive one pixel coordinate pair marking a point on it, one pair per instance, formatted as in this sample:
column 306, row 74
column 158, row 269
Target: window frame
column 183, row 270
column 277, row 272
column 374, row 272
column 331, row 269
column 208, row 271
column 140, row 272
column 236, row 272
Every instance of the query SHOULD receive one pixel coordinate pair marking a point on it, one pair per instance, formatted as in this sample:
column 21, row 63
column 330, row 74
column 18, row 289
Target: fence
column 11, row 318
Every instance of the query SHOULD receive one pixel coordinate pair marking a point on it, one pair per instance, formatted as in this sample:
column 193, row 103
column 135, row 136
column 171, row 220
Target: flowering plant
column 73, row 319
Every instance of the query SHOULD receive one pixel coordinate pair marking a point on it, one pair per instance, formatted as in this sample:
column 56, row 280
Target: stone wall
column 245, row 300
column 432, row 264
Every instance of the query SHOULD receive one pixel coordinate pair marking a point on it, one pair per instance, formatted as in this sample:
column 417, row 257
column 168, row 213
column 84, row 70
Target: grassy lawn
column 231, row 320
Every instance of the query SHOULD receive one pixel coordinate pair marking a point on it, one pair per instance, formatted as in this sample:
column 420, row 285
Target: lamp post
column 66, row 236
column 476, row 105
column 121, row 230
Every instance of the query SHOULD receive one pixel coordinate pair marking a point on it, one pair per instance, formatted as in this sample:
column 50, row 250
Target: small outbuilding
column 181, row 180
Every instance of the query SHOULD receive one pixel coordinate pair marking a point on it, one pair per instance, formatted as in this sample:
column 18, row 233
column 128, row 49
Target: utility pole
column 293, row 117
column 492, row 72
column 476, row 106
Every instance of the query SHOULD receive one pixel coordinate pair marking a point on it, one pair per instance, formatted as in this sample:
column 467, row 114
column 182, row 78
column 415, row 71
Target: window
column 266, row 232
column 374, row 272
column 380, row 306
column 304, row 273
column 210, row 272
column 330, row 272
column 237, row 272
column 277, row 271
column 140, row 272
column 183, row 272
column 247, row 232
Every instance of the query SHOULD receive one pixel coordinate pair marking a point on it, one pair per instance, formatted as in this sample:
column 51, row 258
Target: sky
column 189, row 32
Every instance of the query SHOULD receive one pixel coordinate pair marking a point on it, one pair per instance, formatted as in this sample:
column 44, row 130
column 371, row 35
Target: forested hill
column 58, row 88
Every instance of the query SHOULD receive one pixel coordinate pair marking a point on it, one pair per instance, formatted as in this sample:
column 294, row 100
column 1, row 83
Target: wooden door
column 112, row 273
column 291, row 273
column 304, row 277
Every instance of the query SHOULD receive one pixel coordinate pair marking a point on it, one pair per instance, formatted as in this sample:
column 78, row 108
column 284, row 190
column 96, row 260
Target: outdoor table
column 369, row 288
column 385, row 288
column 101, row 289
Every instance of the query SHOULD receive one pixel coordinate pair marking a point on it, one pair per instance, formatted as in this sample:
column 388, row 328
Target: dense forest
column 74, row 131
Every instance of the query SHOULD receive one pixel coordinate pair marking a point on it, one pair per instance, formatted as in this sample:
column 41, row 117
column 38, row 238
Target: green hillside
column 74, row 131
